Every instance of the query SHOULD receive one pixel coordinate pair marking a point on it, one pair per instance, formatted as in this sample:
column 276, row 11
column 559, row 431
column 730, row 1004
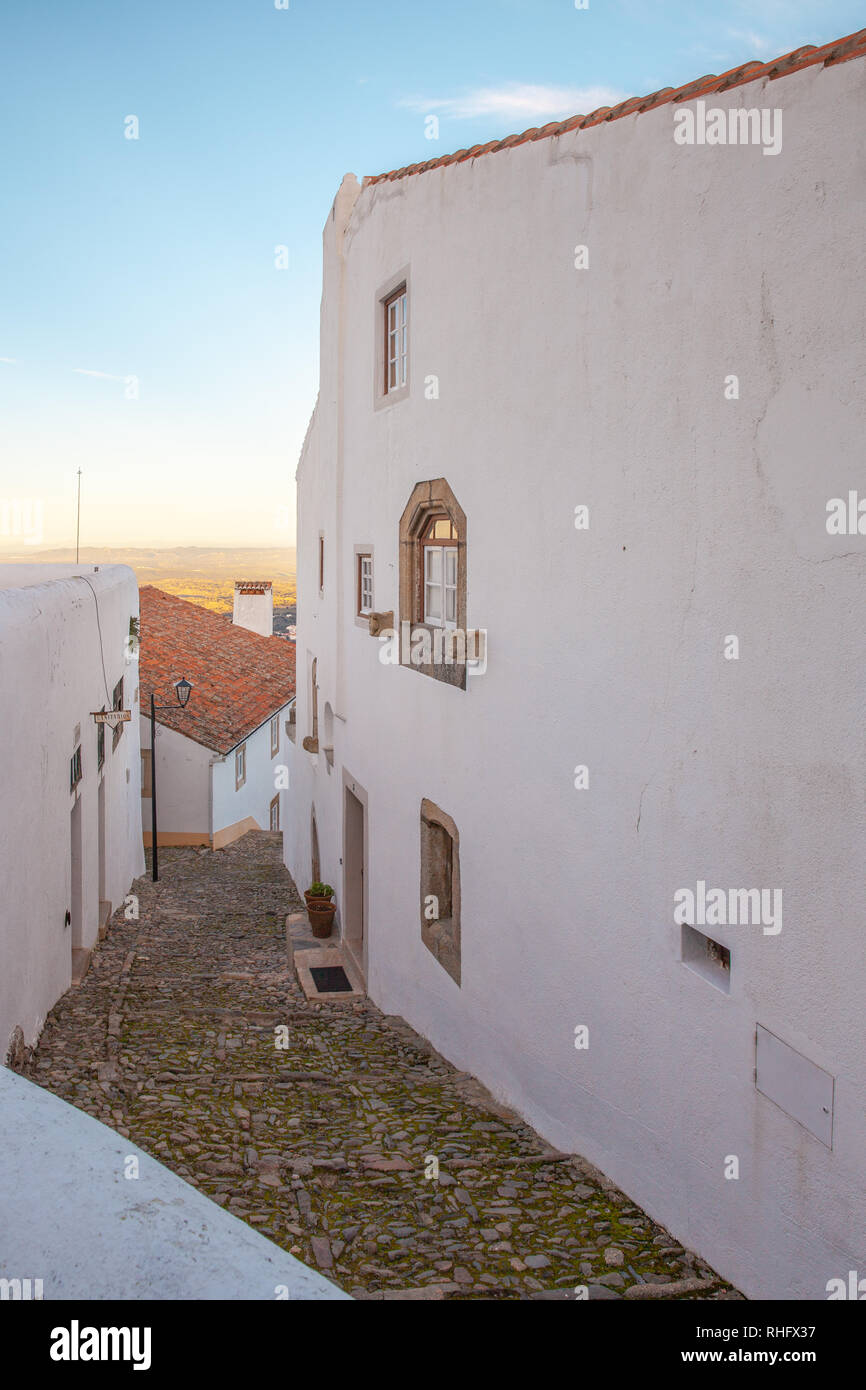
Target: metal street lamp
column 182, row 690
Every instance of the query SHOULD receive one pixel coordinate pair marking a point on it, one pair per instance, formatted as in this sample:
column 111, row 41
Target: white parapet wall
column 92, row 1217
column 65, row 647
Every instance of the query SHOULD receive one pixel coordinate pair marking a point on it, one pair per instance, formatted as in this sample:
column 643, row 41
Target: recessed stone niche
column 440, row 887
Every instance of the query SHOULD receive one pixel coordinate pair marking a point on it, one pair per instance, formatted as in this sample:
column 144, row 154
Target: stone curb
column 670, row 1290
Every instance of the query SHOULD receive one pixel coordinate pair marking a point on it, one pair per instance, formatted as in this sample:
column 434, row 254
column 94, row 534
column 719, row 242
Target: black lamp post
column 183, row 690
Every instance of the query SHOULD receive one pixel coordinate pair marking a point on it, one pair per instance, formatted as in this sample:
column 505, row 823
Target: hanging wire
column 108, row 698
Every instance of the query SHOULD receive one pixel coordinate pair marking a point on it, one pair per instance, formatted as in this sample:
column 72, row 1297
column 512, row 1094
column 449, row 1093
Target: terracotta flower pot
column 310, row 898
column 321, row 915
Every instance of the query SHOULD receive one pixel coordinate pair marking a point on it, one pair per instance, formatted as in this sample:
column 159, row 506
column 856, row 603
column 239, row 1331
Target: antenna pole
column 78, row 518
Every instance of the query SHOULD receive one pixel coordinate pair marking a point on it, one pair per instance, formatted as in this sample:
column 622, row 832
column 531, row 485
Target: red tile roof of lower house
column 239, row 679
column 839, row 51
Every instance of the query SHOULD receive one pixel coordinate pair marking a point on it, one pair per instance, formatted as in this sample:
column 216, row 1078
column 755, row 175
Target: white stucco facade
column 609, row 388
column 183, row 777
column 251, row 802
column 62, row 851
column 199, row 800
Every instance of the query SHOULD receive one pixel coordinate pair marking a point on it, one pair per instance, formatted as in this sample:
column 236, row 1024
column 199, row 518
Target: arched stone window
column 433, row 574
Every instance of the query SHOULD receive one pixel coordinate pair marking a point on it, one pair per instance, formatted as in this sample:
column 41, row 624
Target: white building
column 221, row 768
column 670, row 336
column 70, row 831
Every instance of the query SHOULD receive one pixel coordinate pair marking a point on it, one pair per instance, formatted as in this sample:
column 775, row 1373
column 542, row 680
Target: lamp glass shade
column 183, row 690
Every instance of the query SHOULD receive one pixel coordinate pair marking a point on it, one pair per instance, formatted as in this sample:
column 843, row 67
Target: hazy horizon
column 223, row 561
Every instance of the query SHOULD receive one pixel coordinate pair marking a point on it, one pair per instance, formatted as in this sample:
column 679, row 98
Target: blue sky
column 154, row 258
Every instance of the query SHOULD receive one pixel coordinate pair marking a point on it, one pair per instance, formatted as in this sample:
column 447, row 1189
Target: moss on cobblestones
column 171, row 1040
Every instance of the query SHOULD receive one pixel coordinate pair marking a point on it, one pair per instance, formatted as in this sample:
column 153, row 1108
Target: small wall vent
column 709, row 959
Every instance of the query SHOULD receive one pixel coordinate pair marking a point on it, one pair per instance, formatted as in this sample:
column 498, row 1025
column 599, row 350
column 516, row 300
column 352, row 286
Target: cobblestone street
column 170, row 1040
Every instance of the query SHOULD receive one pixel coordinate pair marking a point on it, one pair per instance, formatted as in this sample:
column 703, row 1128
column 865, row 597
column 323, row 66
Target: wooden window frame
column 360, row 610
column 446, row 546
column 76, row 769
column 401, row 359
column 274, row 806
column 432, row 501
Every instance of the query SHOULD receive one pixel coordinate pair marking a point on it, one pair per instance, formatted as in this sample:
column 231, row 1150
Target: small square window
column 75, row 773
column 275, row 735
column 365, row 585
column 240, row 766
column 396, row 322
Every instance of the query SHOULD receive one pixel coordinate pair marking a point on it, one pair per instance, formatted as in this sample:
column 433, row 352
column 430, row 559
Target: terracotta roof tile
column 595, row 117
column 239, row 678
column 843, row 49
column 838, row 51
column 746, row 72
column 658, row 98
column 708, row 83
column 625, row 108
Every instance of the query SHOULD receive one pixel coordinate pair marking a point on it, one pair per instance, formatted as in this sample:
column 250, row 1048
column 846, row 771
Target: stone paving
column 325, row 1144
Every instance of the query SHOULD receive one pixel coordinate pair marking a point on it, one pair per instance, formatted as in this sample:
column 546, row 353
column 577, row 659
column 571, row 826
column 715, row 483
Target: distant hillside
column 219, row 594
column 201, row 575
column 181, row 562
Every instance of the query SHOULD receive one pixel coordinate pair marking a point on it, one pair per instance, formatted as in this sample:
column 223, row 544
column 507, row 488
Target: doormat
column 330, row 979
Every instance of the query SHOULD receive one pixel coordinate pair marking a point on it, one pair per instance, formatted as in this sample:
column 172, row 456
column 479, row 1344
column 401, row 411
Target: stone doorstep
column 325, row 956
column 80, row 965
column 104, row 918
column 299, row 936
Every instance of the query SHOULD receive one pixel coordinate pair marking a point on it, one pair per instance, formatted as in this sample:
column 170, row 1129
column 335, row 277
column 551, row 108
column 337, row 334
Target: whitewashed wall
column 232, row 805
column 195, row 789
column 182, row 785
column 605, row 387
column 51, row 679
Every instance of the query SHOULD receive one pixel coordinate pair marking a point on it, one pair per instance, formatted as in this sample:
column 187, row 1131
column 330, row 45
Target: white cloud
column 518, row 101
column 103, row 376
column 8, row 359
column 755, row 42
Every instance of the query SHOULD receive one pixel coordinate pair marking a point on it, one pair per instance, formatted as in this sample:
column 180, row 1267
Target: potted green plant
column 320, row 909
column 319, row 892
